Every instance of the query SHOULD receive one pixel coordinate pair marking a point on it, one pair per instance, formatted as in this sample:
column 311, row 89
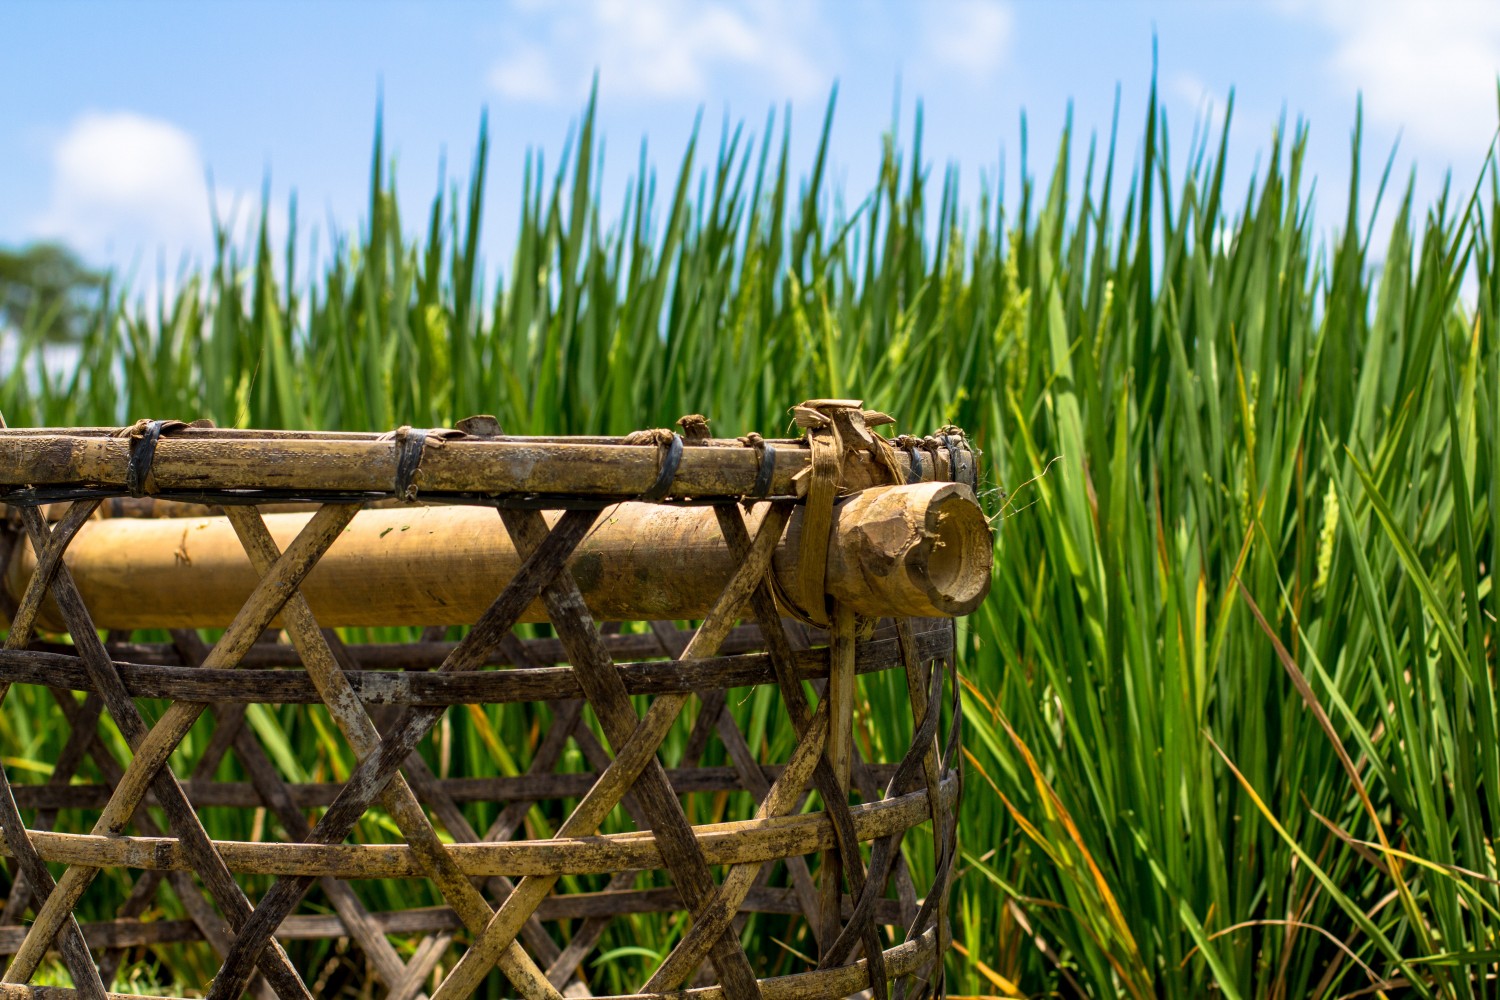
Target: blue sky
column 113, row 114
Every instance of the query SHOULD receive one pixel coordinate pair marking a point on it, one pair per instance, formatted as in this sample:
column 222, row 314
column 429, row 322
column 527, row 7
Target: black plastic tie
column 955, row 466
column 410, row 444
column 142, row 456
column 671, row 458
column 914, row 473
column 764, row 473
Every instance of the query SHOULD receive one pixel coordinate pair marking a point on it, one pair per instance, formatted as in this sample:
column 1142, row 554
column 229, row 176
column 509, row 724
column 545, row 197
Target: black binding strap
column 409, row 447
column 930, row 445
column 142, row 455
column 671, row 458
column 914, row 474
column 956, row 468
column 763, row 474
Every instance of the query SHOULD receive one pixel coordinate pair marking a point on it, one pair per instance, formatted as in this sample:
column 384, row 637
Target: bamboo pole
column 193, row 459
column 922, row 550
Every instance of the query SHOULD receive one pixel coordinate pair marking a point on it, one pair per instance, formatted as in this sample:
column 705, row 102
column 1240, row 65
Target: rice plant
column 1230, row 711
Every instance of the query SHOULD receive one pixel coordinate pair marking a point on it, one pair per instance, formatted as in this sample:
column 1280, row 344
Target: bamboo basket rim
column 239, row 466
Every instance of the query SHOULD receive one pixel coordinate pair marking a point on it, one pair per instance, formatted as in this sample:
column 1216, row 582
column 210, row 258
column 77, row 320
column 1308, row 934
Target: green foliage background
column 1231, row 709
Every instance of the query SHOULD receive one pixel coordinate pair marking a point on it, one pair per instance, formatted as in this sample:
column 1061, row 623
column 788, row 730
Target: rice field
column 1230, row 712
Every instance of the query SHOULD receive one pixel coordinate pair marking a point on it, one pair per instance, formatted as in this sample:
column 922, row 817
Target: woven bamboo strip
column 39, row 880
column 425, row 655
column 835, row 803
column 680, row 850
column 357, row 727
column 716, row 914
column 916, row 680
column 751, row 775
column 29, row 604
column 272, row 792
column 882, row 853
column 839, row 692
column 903, row 959
column 399, row 799
column 611, row 786
column 209, row 924
column 723, row 844
column 144, row 888
column 294, row 687
column 313, row 927
column 377, row 769
column 151, row 753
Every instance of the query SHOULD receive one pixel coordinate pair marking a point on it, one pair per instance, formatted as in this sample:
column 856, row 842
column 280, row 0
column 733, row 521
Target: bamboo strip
column 387, row 687
column 202, row 461
column 631, row 759
column 714, row 916
column 835, row 804
column 680, row 850
column 822, row 984
column 543, row 562
column 355, row 724
column 748, row 769
column 422, row 656
column 313, row 927
column 202, row 914
column 839, row 692
column 82, row 719
column 150, row 753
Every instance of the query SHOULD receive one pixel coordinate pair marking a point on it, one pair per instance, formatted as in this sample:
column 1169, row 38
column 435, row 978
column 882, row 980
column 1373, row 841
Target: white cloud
column 121, row 181
column 1428, row 68
column 1190, row 89
column 972, row 36
column 525, row 74
column 661, row 49
column 1206, row 105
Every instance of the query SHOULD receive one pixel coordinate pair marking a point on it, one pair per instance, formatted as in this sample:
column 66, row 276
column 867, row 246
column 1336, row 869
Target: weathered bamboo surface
column 520, row 788
column 721, row 843
column 813, row 566
column 312, row 927
column 921, row 550
column 904, row 959
column 203, row 460
column 420, row 687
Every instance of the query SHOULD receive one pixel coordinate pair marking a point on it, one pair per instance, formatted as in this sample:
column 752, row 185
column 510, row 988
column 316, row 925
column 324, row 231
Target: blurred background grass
column 1230, row 711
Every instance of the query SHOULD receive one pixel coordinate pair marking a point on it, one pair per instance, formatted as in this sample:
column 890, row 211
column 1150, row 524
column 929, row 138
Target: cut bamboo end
column 922, row 550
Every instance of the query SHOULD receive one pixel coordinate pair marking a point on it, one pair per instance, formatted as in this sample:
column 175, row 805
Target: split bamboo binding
column 817, row 559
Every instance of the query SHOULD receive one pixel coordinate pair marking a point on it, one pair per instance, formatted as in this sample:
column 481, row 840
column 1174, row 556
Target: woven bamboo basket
column 218, row 570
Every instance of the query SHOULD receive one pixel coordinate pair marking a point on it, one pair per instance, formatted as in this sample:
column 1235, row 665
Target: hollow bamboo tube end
column 923, row 550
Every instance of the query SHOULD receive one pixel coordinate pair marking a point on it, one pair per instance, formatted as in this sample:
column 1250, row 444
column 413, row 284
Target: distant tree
column 45, row 286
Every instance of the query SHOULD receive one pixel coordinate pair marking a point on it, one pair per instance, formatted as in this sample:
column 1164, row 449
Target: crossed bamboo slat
column 646, row 736
column 58, row 901
column 803, row 744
